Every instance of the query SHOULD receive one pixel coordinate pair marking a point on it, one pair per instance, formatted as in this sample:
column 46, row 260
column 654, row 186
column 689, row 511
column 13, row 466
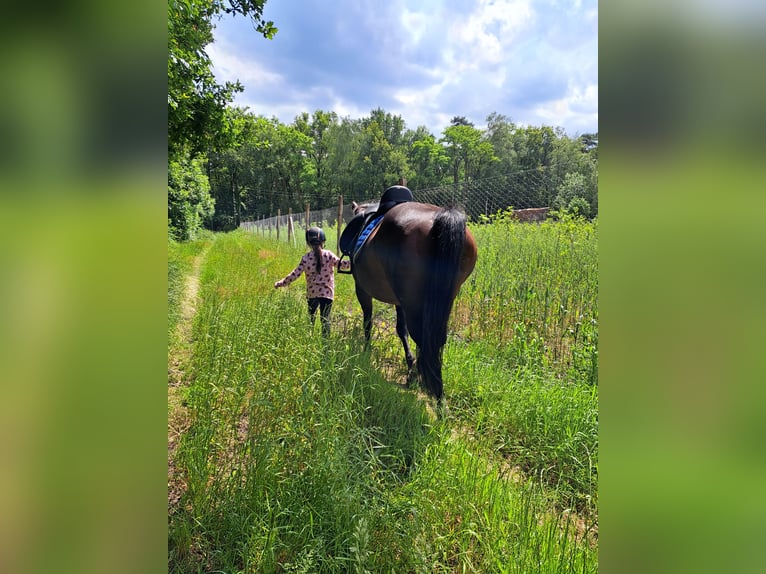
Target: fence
column 531, row 189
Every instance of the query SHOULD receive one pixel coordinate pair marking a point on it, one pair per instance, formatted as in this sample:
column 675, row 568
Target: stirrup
column 349, row 272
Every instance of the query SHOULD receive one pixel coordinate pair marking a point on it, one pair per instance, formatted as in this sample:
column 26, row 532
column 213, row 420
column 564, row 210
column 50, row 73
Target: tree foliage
column 196, row 102
column 271, row 166
column 227, row 164
column 189, row 200
column 198, row 116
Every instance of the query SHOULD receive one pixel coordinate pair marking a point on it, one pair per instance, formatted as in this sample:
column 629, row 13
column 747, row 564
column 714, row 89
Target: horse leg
column 401, row 330
column 365, row 302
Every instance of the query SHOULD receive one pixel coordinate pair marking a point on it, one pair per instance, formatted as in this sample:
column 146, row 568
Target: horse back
column 394, row 264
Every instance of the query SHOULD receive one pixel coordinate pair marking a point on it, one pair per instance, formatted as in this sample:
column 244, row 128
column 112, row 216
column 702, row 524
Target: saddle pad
column 366, row 233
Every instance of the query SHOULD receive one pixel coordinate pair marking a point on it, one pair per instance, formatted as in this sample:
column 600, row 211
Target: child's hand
column 278, row 284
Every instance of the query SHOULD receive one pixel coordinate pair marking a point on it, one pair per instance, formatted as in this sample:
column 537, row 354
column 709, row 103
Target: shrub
column 189, row 199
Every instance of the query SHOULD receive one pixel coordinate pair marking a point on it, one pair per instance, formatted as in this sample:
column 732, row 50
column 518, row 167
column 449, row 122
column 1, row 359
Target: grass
column 304, row 455
column 180, row 260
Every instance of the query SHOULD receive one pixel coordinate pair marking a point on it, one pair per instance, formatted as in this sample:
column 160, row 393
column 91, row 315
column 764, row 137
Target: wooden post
column 340, row 223
column 290, row 228
column 289, row 224
column 308, row 211
column 279, row 215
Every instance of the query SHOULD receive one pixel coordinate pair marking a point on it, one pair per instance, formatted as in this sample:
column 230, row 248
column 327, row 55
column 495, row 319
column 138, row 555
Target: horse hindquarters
column 448, row 236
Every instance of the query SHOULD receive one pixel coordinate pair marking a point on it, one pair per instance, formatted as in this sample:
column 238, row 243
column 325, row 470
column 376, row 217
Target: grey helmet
column 315, row 236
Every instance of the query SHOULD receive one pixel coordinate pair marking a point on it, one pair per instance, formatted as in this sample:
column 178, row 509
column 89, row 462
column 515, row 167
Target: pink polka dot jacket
column 320, row 284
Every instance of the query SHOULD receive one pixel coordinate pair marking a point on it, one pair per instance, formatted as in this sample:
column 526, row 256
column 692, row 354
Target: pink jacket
column 320, row 284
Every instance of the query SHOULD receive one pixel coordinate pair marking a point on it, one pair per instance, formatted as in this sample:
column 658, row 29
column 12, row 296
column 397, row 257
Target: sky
column 533, row 61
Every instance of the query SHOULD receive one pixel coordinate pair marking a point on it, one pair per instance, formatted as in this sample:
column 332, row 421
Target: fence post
column 307, row 215
column 290, row 230
column 279, row 215
column 340, row 223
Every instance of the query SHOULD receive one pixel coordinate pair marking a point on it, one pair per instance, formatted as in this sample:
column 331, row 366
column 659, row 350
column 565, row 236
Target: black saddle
column 350, row 242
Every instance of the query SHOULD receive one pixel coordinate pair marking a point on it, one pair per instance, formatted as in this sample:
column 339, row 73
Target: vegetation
column 189, row 200
column 305, row 455
column 289, row 452
column 196, row 102
column 272, row 166
column 256, row 165
column 180, row 260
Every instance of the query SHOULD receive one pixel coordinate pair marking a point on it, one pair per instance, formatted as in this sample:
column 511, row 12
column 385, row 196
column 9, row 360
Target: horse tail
column 448, row 236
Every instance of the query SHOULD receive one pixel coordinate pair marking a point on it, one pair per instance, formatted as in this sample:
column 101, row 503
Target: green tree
column 381, row 162
column 467, row 150
column 344, row 148
column 317, row 128
column 573, row 194
column 500, row 130
column 376, row 152
column 189, row 200
column 196, row 102
column 230, row 171
column 392, row 126
column 429, row 160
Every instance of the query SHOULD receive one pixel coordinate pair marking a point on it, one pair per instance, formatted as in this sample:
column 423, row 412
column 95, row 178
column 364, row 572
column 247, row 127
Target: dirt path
column 179, row 354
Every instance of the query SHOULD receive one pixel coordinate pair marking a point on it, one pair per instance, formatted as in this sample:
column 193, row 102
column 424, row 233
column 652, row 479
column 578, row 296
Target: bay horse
column 416, row 259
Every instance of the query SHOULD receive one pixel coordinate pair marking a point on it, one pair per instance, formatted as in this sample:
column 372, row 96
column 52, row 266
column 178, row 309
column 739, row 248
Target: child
column 319, row 265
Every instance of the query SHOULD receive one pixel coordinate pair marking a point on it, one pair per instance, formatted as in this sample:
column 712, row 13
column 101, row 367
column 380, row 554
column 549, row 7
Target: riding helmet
column 315, row 236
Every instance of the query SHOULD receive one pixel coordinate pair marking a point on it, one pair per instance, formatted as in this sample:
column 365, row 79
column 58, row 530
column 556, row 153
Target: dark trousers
column 325, row 306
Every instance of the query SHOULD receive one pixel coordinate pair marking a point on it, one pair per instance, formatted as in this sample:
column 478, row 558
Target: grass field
column 292, row 453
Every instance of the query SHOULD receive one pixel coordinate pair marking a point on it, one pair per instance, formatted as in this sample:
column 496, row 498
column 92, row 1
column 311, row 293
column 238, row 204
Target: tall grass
column 524, row 369
column 302, row 455
column 534, row 294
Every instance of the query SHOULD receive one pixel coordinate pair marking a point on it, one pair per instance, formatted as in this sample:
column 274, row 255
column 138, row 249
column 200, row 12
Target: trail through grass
column 304, row 455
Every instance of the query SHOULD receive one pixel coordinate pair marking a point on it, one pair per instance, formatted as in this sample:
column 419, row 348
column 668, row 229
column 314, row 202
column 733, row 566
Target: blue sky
column 534, row 61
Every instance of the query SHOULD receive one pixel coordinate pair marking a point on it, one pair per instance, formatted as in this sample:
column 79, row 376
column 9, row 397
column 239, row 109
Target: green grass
column 534, row 293
column 303, row 455
column 180, row 259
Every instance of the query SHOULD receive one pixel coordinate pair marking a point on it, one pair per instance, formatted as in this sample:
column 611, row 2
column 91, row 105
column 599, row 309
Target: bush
column 189, row 199
column 572, row 196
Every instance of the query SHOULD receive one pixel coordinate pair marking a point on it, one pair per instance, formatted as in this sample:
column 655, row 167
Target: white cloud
column 228, row 65
column 534, row 61
column 486, row 34
column 577, row 111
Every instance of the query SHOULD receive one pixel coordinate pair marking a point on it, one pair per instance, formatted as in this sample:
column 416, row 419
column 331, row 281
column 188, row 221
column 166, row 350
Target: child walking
column 319, row 265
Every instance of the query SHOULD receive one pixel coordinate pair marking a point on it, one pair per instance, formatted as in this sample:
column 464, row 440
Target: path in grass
column 179, row 353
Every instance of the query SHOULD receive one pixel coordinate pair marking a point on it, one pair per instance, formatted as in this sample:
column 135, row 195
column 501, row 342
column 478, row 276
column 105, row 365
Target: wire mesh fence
column 530, row 193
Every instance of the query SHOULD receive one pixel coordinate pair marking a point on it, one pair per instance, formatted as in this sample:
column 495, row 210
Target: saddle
column 362, row 225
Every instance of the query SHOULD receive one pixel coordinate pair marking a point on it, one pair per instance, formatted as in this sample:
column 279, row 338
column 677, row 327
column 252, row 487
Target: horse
column 416, row 258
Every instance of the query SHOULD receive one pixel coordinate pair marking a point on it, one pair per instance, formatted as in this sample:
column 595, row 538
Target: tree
column 375, row 159
column 196, row 102
column 316, row 129
column 589, row 143
column 500, row 130
column 429, row 160
column 392, row 126
column 466, row 147
column 572, row 195
column 229, row 171
column 344, row 144
column 460, row 121
column 189, row 200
